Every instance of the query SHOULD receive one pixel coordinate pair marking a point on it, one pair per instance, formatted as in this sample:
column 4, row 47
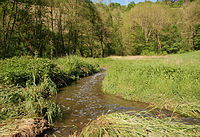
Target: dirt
column 136, row 57
column 25, row 128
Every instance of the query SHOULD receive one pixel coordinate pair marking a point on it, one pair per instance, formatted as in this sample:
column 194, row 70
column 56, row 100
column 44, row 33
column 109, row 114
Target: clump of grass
column 76, row 67
column 124, row 125
column 30, row 102
column 165, row 84
column 26, row 70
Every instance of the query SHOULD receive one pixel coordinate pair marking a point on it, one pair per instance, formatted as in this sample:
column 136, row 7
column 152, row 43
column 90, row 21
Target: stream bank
column 83, row 102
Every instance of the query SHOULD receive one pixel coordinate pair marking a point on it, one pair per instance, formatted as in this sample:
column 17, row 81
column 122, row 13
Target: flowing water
column 83, row 101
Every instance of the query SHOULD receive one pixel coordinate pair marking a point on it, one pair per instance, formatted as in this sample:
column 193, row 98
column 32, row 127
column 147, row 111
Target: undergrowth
column 28, row 85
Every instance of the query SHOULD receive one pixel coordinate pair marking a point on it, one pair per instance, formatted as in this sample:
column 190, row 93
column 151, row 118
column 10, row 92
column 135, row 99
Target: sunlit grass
column 28, row 85
column 124, row 125
column 170, row 82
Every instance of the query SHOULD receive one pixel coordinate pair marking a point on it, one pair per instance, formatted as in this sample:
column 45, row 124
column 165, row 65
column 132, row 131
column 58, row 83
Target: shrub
column 26, row 70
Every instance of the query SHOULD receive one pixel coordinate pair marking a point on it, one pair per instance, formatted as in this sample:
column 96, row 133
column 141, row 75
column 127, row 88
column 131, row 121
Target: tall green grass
column 172, row 83
column 75, row 67
column 28, row 85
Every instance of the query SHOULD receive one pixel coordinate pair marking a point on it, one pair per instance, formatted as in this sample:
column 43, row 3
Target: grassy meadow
column 28, row 85
column 171, row 82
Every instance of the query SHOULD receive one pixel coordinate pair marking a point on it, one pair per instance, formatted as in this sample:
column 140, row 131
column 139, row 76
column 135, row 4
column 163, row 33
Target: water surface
column 83, row 101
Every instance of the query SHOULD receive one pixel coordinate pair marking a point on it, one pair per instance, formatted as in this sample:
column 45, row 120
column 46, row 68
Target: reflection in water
column 83, row 101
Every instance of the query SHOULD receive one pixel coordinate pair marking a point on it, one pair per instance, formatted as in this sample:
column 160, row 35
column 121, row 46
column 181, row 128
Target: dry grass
column 136, row 57
column 124, row 125
column 24, row 128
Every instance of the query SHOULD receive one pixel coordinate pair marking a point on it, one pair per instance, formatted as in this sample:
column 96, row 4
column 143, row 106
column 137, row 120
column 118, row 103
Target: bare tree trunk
column 159, row 42
column 69, row 40
column 15, row 17
column 40, row 29
column 8, row 26
column 61, row 32
column 51, row 49
column 192, row 40
column 52, row 29
column 91, row 52
column 75, row 40
column 76, row 31
column 4, row 22
column 102, row 47
column 51, row 12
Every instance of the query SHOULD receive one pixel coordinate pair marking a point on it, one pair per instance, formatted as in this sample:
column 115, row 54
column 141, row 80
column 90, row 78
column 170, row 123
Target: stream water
column 83, row 101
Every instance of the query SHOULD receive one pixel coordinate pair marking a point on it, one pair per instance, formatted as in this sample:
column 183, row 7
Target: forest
column 55, row 28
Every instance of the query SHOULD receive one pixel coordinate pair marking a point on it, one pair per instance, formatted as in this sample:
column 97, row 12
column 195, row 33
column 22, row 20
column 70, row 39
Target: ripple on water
column 84, row 101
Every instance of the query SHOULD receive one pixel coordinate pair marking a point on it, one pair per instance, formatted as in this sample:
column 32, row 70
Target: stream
column 83, row 102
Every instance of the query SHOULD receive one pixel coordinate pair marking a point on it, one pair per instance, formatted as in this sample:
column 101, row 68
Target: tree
column 131, row 5
column 151, row 18
column 191, row 20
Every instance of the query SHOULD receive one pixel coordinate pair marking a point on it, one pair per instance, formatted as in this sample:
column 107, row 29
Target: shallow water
column 83, row 102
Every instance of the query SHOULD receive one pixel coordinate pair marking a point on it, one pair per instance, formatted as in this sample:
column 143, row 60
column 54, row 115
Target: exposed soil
column 136, row 57
column 25, row 128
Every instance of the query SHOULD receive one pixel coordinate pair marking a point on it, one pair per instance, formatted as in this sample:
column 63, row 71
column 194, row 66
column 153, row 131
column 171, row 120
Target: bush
column 26, row 70
column 76, row 67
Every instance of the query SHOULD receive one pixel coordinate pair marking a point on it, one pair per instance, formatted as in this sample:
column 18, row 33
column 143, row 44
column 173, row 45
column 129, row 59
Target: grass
column 124, row 125
column 172, row 82
column 28, row 85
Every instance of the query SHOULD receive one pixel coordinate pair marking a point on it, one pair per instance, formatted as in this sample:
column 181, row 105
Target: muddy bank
column 31, row 127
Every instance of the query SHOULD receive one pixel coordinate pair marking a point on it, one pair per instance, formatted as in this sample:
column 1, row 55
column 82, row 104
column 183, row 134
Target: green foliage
column 26, row 70
column 56, row 28
column 171, row 40
column 30, row 102
column 114, row 5
column 35, row 82
column 75, row 67
column 177, row 3
column 169, row 82
column 197, row 38
column 131, row 5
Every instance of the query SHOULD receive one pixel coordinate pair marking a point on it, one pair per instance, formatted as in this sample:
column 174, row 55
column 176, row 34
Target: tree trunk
column 69, row 39
column 4, row 32
column 102, row 48
column 52, row 29
column 159, row 42
column 8, row 27
column 15, row 17
column 192, row 40
column 91, row 52
column 61, row 34
column 75, row 41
